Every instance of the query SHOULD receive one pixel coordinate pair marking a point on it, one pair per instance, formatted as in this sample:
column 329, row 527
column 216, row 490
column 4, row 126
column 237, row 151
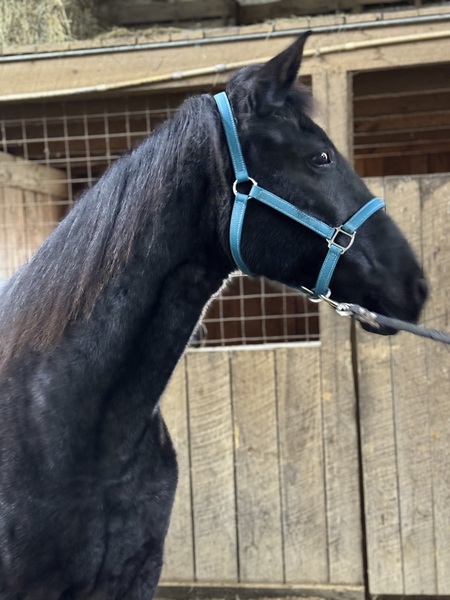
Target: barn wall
column 404, row 385
column 268, row 443
column 31, row 204
column 269, row 490
column 285, row 452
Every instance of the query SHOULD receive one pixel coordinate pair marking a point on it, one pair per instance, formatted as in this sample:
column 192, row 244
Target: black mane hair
column 90, row 247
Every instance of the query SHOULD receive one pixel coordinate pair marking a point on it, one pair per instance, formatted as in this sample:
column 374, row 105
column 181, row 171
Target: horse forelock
column 93, row 244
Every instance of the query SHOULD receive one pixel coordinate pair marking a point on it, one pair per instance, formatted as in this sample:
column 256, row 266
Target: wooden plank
column 4, row 271
column 34, row 236
column 257, row 468
column 71, row 73
column 302, row 464
column 412, row 102
column 411, row 418
column 376, row 186
column 381, row 493
column 414, row 464
column 23, row 174
column 402, row 196
column 139, row 12
column 321, row 99
column 411, row 122
column 343, row 504
column 340, row 105
column 214, row 501
column 255, row 11
column 413, row 79
column 405, row 428
column 13, row 227
column 179, row 545
column 250, row 591
column 391, row 54
column 16, row 199
column 400, row 149
column 413, row 139
column 435, row 193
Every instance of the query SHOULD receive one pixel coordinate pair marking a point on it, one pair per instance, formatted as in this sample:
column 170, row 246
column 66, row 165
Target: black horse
column 93, row 326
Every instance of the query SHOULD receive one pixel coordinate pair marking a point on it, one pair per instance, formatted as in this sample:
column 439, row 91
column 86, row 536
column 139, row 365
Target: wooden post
column 332, row 89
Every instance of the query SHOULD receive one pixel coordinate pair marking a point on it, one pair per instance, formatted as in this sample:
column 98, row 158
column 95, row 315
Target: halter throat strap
column 339, row 239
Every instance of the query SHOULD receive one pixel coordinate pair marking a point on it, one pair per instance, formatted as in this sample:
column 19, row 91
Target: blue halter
column 335, row 250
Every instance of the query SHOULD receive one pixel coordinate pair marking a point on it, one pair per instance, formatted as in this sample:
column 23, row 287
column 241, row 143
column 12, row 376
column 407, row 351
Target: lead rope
column 375, row 320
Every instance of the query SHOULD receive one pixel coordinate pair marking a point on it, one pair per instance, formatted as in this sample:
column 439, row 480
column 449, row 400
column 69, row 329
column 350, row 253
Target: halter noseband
column 335, row 250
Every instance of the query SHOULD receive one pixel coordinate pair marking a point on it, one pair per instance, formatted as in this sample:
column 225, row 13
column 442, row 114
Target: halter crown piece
column 335, row 250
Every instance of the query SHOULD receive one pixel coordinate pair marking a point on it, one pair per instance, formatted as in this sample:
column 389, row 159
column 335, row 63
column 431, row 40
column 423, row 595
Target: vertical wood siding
column 268, row 442
column 272, row 490
column 405, row 414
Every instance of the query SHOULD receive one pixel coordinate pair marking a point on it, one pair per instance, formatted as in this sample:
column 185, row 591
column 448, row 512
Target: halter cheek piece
column 335, row 250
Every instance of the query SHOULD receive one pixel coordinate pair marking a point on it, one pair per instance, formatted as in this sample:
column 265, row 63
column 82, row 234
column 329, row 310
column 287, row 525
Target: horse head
column 290, row 156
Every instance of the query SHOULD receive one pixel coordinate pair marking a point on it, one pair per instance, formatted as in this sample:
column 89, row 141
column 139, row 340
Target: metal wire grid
column 73, row 143
column 254, row 310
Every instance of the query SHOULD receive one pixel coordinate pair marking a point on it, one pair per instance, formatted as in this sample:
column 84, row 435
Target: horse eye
column 322, row 159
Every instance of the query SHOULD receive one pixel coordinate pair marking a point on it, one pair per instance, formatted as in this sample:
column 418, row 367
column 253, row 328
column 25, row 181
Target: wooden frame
column 352, row 50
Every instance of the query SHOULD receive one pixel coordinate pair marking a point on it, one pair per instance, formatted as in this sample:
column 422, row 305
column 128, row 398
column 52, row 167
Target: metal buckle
column 337, row 231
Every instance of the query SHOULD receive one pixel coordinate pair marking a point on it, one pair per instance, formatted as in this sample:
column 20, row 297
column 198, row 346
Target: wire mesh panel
column 60, row 148
column 254, row 310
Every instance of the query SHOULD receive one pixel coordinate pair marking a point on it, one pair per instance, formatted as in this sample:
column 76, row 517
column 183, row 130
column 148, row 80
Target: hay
column 40, row 21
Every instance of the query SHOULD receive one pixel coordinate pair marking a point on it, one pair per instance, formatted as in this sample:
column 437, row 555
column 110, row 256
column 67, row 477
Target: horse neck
column 143, row 317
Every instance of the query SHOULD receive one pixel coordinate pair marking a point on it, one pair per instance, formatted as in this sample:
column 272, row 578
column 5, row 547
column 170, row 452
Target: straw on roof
column 41, row 21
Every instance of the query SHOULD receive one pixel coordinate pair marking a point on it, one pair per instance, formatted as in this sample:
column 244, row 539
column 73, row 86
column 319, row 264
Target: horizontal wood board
column 226, row 12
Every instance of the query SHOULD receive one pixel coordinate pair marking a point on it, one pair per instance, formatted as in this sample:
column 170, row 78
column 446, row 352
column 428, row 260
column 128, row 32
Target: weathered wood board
column 274, row 487
column 31, row 198
column 274, row 445
column 404, row 387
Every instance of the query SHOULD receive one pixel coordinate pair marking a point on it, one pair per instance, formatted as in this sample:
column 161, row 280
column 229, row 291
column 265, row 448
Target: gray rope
column 376, row 320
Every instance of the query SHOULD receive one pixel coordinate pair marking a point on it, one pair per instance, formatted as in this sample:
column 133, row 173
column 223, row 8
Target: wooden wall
column 321, row 469
column 269, row 480
column 270, row 441
column 404, row 385
column 31, row 204
column 228, row 12
column 401, row 121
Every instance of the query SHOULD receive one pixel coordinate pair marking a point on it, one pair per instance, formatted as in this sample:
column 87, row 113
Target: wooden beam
column 16, row 172
column 413, row 79
column 144, row 12
column 90, row 71
column 257, row 591
column 251, row 10
column 333, row 92
column 415, row 102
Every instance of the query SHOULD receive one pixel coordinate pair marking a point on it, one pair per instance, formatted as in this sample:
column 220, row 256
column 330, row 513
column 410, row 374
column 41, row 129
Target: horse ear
column 276, row 77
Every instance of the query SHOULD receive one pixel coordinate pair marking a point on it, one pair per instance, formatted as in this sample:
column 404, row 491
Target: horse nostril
column 420, row 290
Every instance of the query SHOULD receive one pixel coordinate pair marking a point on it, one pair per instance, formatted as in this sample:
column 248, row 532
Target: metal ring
column 313, row 297
column 235, row 184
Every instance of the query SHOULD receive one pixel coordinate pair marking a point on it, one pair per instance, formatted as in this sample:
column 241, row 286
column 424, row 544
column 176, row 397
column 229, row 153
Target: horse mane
column 92, row 245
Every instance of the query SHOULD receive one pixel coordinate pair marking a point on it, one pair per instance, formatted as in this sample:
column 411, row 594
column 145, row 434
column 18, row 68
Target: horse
column 94, row 324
